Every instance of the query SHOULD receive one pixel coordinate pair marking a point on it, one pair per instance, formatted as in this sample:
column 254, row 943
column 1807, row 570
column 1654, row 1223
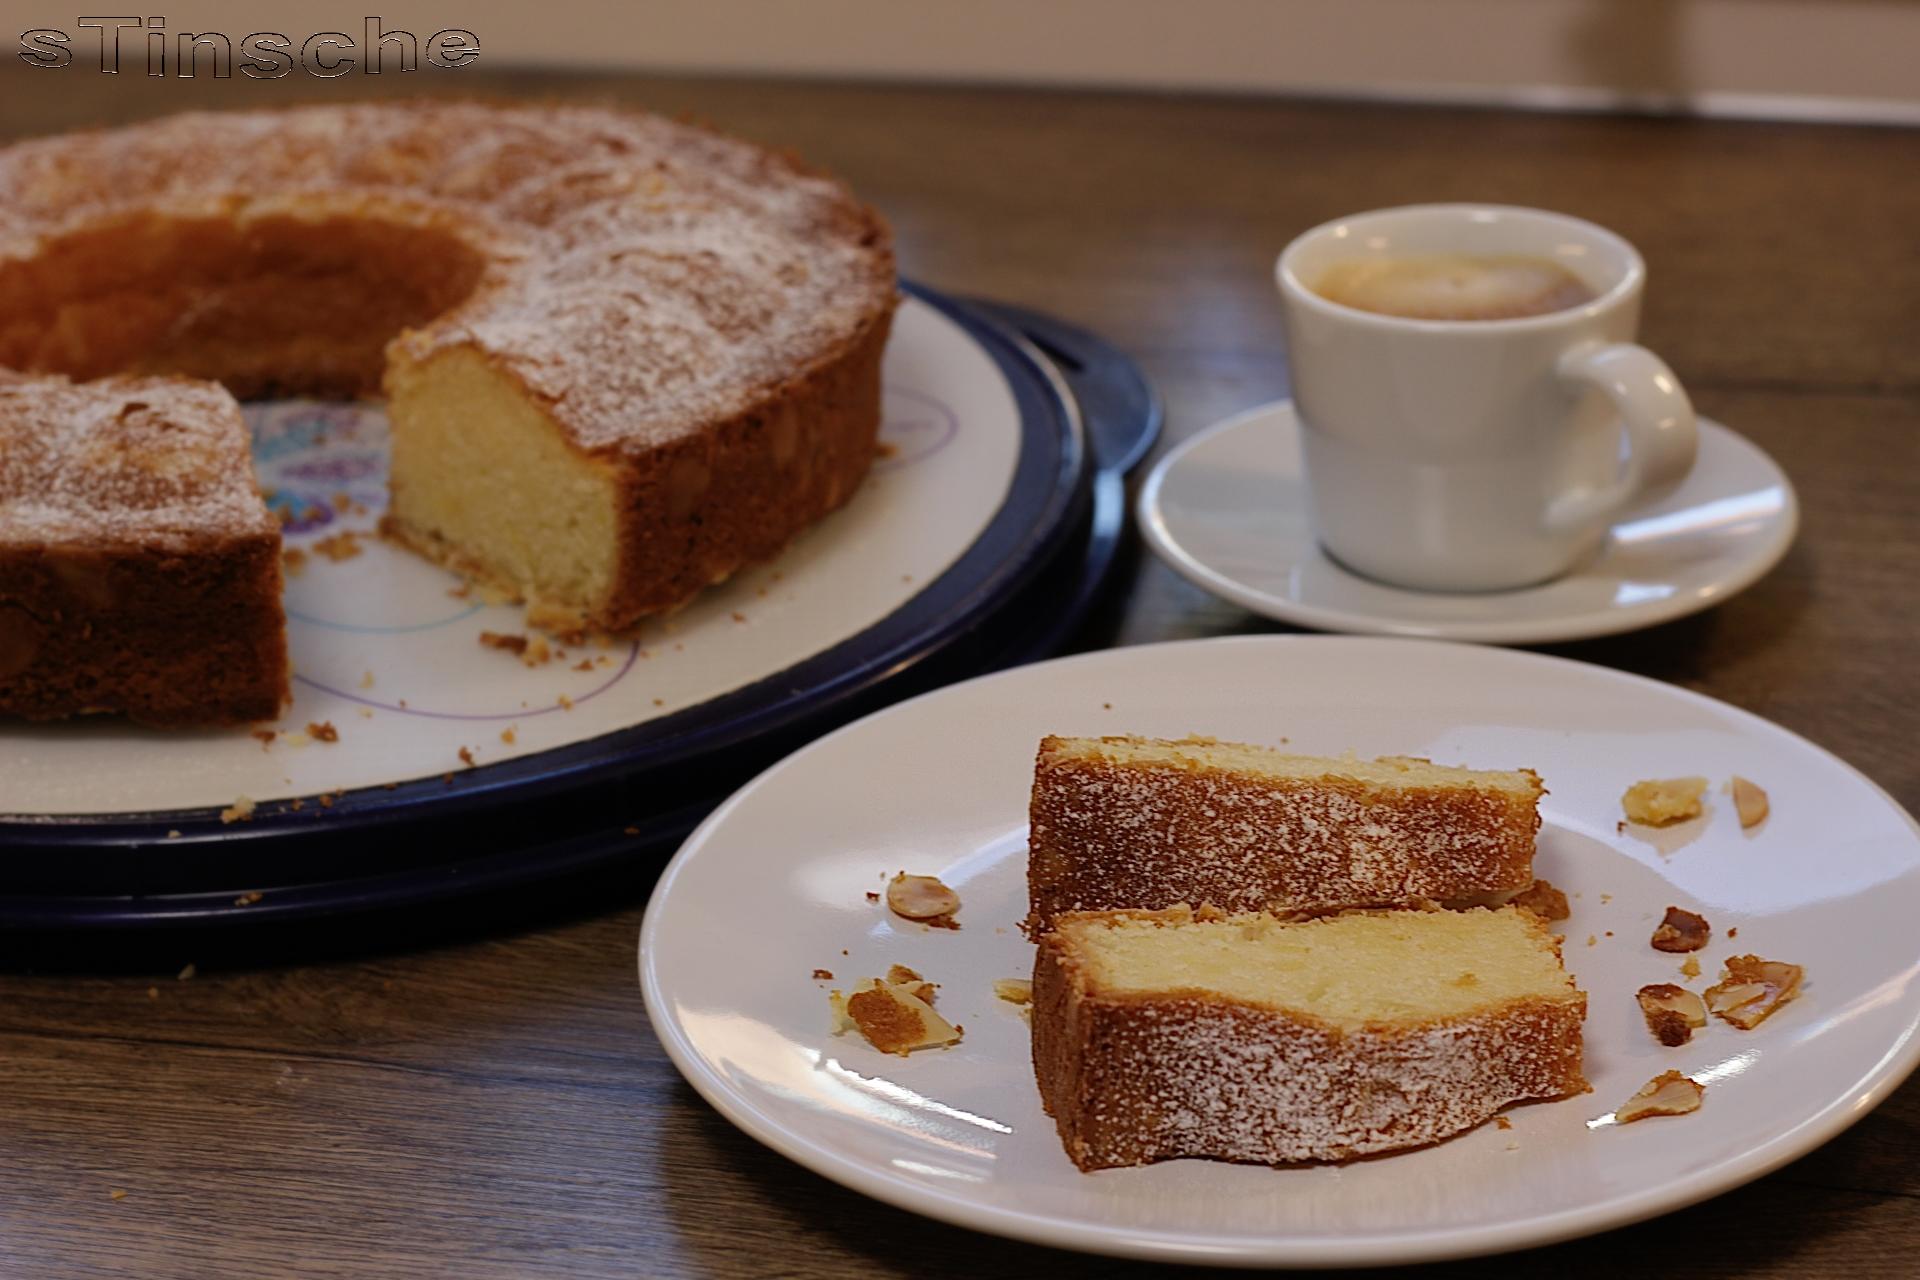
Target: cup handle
column 1662, row 436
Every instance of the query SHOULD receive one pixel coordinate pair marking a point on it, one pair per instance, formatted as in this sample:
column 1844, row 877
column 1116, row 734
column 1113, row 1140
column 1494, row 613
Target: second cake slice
column 1145, row 823
column 1166, row 1034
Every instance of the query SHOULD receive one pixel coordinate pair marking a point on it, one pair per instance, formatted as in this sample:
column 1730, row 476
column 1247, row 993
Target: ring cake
column 624, row 356
column 1171, row 1034
column 1127, row 822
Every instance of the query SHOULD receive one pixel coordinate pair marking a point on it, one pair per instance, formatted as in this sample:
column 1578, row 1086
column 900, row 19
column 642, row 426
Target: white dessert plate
column 774, row 885
column 1228, row 511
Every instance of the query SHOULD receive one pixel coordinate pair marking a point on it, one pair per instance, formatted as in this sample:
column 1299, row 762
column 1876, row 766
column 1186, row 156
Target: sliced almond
column 1544, row 901
column 1672, row 1012
column 1667, row 1094
column 1753, row 989
column 912, row 983
column 894, row 1021
column 922, row 898
column 1681, row 931
column 1749, row 801
column 1659, row 802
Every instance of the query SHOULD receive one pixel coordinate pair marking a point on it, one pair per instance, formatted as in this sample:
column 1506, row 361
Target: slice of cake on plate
column 1166, row 1034
column 1127, row 822
column 139, row 568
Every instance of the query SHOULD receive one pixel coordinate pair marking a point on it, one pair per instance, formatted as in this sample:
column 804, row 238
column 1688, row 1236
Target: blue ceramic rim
column 1050, row 482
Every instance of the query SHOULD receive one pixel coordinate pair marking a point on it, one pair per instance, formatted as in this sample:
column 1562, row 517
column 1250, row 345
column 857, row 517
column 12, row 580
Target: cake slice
column 139, row 568
column 1144, row 823
column 1168, row 1034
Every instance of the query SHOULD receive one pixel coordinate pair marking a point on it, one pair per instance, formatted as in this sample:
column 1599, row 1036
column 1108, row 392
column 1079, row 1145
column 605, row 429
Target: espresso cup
column 1477, row 454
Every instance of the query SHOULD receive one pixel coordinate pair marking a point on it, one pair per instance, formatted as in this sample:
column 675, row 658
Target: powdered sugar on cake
column 123, row 461
column 643, row 276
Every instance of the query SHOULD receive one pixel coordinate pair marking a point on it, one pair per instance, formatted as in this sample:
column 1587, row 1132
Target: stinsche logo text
column 117, row 44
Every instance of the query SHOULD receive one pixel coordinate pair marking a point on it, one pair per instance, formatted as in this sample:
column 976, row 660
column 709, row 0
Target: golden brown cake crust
column 1107, row 833
column 701, row 317
column 1130, row 1079
column 139, row 568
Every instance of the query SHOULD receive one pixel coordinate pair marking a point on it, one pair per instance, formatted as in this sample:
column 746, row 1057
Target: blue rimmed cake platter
column 418, row 764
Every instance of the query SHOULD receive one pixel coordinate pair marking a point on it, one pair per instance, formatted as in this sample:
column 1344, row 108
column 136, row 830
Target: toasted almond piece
column 1749, row 801
column 1659, row 802
column 1667, row 1094
column 1690, row 966
column 921, row 898
column 894, row 1021
column 1681, row 931
column 1672, row 1012
column 912, row 983
column 1752, row 989
column 1013, row 990
column 1544, row 901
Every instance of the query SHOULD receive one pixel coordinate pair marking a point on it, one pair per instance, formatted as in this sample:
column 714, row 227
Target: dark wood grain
column 485, row 1102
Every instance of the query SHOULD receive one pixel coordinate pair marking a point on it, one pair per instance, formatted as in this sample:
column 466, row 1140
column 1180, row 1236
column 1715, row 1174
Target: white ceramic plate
column 383, row 653
column 773, row 885
column 1228, row 510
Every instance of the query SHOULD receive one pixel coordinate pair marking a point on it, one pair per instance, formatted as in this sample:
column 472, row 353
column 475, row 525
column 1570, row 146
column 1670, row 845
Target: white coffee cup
column 1477, row 455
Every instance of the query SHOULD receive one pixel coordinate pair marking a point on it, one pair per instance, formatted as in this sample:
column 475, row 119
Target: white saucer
column 1227, row 509
column 776, row 884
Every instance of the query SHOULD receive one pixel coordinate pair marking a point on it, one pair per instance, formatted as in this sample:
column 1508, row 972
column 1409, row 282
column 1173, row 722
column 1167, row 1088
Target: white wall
column 1801, row 58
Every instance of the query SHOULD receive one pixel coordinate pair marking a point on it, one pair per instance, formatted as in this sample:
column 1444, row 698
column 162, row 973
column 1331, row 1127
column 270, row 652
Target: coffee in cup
column 1454, row 286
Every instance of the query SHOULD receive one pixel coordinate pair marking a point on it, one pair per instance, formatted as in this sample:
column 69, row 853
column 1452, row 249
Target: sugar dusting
column 645, row 276
column 155, row 461
column 1107, row 834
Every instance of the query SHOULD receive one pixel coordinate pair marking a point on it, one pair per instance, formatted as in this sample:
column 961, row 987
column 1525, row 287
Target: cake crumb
column 323, row 731
column 153, row 993
column 585, row 664
column 296, row 804
column 366, row 679
column 1593, row 940
column 1605, row 898
column 249, row 898
column 1014, row 990
column 466, row 756
column 510, row 642
column 327, row 798
column 823, row 975
column 1503, row 1122
column 1661, row 802
column 241, row 810
column 659, row 702
column 265, row 736
column 294, row 561
column 566, row 703
column 873, row 897
column 186, row 974
column 173, row 833
column 461, row 592
column 119, row 1193
column 739, row 616
column 1691, row 966
column 344, row 545
column 1544, row 901
column 507, row 735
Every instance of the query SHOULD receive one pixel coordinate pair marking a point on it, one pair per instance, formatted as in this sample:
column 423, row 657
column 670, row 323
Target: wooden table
column 468, row 1103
